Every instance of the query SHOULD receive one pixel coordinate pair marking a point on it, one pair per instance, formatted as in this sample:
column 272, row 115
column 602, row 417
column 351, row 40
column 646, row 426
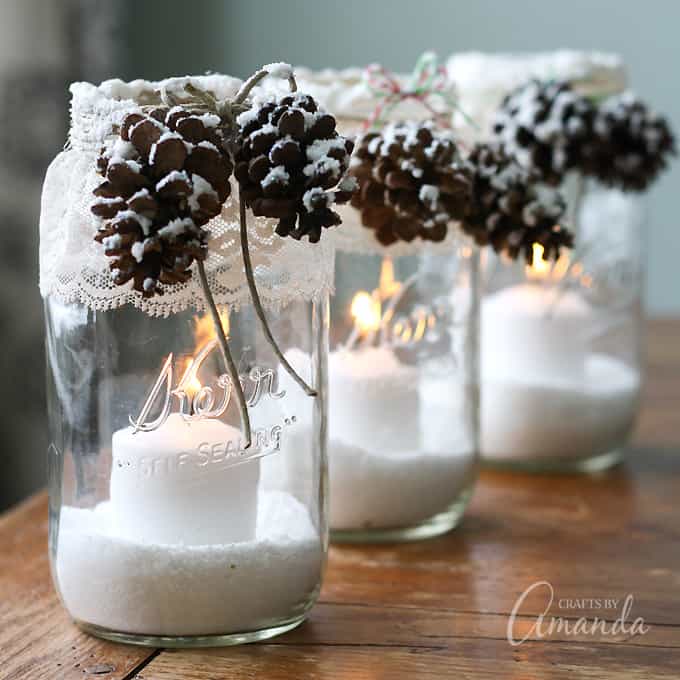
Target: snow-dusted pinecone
column 633, row 143
column 547, row 127
column 412, row 182
column 291, row 165
column 509, row 211
column 166, row 175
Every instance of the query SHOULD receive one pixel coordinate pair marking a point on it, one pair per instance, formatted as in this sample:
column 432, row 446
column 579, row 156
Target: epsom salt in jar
column 169, row 309
column 560, row 339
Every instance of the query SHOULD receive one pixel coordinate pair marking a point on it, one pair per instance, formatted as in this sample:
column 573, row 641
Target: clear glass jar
column 561, row 343
column 403, row 388
column 163, row 529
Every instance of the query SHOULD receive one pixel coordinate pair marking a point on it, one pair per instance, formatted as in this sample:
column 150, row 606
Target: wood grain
column 659, row 421
column 37, row 639
column 471, row 659
column 513, row 537
column 438, row 608
column 389, row 626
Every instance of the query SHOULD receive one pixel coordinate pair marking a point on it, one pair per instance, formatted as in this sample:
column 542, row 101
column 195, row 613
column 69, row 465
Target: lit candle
column 186, row 478
column 536, row 329
column 374, row 396
column 182, row 483
column 390, row 465
column 545, row 392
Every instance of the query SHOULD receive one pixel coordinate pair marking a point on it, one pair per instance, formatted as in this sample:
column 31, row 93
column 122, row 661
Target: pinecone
column 547, row 127
column 633, row 144
column 291, row 165
column 412, row 182
column 509, row 211
column 167, row 174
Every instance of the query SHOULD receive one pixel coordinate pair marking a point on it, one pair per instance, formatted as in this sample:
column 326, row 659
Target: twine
column 428, row 80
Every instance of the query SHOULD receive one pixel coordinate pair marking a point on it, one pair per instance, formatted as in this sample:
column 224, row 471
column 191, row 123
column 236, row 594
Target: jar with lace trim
column 560, row 356
column 402, row 368
column 170, row 524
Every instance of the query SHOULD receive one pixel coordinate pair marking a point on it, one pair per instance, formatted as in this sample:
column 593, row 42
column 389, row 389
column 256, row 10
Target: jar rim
column 591, row 72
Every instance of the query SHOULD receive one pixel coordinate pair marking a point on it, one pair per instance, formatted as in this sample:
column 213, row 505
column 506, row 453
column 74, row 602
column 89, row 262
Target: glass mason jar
column 162, row 527
column 403, row 384
column 165, row 529
column 403, row 387
column 561, row 343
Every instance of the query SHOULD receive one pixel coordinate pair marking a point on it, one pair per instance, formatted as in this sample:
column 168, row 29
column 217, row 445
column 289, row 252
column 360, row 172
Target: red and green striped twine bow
column 429, row 80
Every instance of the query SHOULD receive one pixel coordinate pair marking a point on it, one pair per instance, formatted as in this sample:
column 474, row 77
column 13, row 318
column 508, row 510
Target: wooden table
column 438, row 608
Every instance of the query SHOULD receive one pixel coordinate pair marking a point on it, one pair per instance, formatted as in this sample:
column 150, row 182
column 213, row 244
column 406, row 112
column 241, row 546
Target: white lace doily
column 73, row 266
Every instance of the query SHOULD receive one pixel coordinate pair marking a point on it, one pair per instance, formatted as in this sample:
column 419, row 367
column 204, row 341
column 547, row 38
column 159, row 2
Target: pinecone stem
column 574, row 224
column 248, row 86
column 231, row 366
column 576, row 203
column 250, row 277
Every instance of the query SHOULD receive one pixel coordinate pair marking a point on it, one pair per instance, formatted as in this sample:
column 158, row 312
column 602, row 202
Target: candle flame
column 366, row 311
column 192, row 385
column 388, row 285
column 539, row 269
column 204, row 332
column 542, row 269
column 376, row 316
column 367, row 308
column 204, row 328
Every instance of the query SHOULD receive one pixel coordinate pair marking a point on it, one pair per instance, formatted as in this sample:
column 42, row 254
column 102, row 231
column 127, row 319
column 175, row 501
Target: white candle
column 534, row 330
column 184, row 482
column 374, row 399
column 545, row 393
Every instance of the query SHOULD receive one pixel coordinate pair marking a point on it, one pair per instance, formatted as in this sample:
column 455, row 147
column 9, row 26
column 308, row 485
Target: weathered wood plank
column 37, row 639
column 470, row 659
column 604, row 536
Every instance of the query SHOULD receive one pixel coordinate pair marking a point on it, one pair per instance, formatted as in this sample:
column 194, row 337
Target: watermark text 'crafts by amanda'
column 544, row 625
